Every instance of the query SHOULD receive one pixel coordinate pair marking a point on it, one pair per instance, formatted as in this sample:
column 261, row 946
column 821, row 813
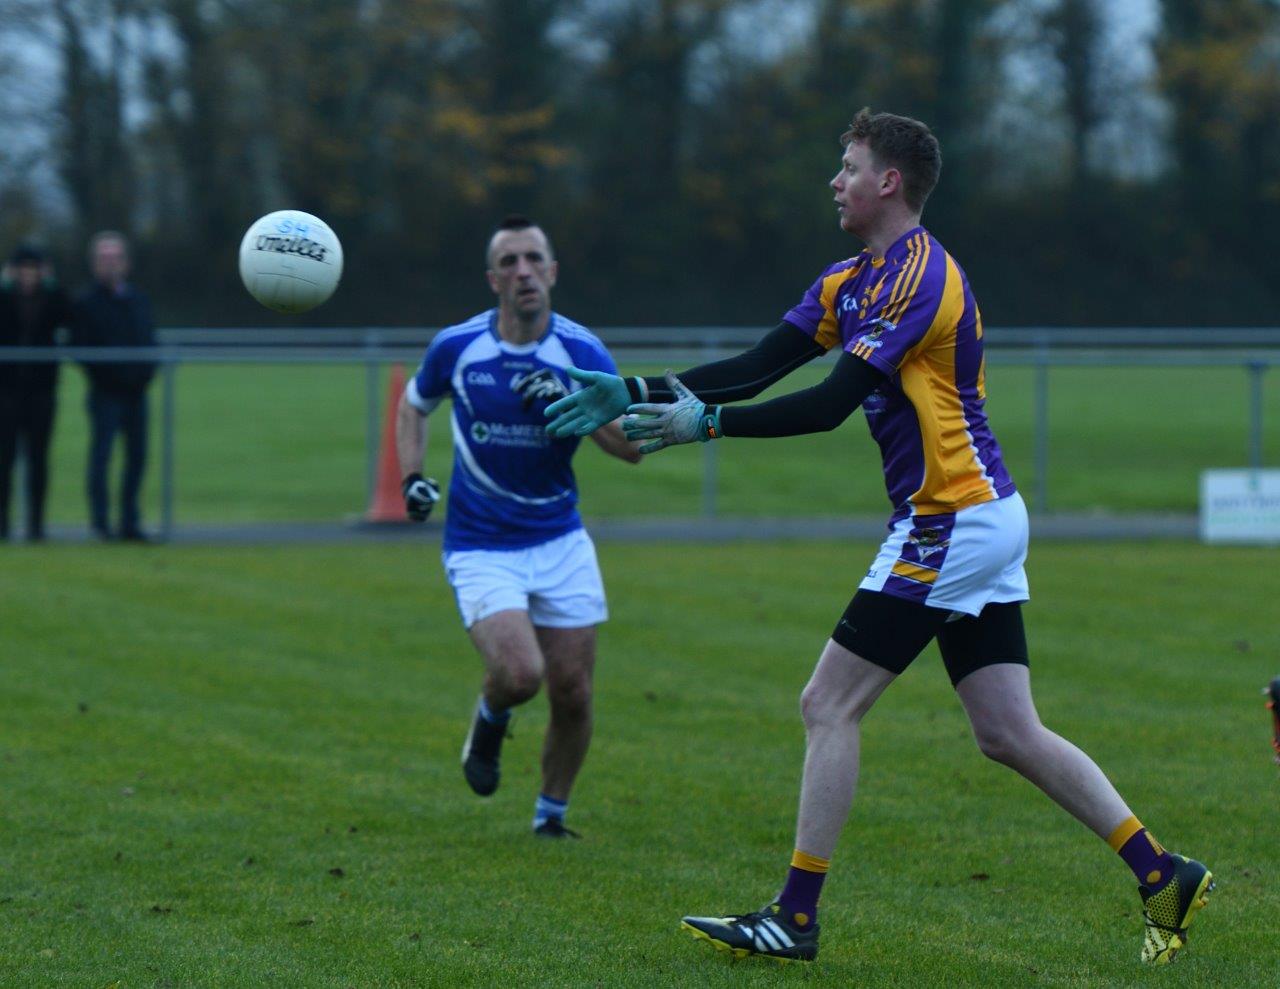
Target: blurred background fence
column 261, row 425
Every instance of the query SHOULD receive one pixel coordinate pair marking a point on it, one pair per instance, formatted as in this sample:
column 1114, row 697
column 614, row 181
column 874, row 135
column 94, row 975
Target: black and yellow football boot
column 1169, row 912
column 764, row 933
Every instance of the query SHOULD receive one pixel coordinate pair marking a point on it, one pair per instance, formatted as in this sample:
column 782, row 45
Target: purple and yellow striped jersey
column 912, row 315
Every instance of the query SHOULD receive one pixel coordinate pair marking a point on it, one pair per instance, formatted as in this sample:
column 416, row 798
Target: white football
column 290, row 261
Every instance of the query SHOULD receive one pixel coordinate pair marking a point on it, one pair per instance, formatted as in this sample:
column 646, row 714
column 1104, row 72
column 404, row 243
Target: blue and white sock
column 492, row 716
column 548, row 807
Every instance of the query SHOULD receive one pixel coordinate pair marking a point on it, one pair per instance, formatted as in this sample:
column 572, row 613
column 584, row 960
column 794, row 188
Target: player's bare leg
column 570, row 664
column 513, row 659
column 513, row 673
column 1007, row 728
column 842, row 689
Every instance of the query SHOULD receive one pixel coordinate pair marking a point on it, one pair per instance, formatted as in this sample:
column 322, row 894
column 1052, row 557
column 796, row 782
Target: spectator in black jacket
column 32, row 308
column 113, row 313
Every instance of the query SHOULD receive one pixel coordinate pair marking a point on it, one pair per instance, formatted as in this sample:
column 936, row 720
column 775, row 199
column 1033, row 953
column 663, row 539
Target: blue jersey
column 512, row 485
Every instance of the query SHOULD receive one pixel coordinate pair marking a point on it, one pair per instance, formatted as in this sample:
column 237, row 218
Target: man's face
column 109, row 261
column 27, row 276
column 522, row 271
column 860, row 190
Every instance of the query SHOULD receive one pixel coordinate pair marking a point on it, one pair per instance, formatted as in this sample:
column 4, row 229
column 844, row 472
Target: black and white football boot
column 764, row 933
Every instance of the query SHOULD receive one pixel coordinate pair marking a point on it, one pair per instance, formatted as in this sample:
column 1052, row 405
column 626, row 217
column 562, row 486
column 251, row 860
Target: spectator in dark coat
column 113, row 313
column 32, row 309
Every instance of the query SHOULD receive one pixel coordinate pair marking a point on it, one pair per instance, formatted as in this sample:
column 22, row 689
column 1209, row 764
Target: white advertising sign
column 1240, row 506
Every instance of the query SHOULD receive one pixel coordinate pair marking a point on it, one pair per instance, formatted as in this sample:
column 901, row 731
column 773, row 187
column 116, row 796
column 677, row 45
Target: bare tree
column 1076, row 27
column 97, row 162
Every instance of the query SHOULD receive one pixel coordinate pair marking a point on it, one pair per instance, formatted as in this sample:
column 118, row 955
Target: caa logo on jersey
column 480, row 378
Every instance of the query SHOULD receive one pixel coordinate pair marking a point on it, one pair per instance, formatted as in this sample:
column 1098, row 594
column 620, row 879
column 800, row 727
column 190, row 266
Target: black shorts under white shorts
column 891, row 632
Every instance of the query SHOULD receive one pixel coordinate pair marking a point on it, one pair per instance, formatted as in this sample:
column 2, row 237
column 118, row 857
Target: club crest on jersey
column 872, row 339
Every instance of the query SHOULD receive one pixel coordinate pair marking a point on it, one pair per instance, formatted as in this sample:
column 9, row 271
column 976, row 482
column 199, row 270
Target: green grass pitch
column 279, row 443
column 238, row 767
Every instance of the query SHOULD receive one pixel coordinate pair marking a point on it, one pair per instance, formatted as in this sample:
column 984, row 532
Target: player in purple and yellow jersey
column 951, row 569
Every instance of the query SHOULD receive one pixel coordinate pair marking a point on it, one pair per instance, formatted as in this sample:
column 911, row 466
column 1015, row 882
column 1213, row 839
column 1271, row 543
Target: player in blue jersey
column 521, row 565
column 951, row 569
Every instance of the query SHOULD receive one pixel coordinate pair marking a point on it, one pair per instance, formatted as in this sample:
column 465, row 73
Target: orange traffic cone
column 387, row 503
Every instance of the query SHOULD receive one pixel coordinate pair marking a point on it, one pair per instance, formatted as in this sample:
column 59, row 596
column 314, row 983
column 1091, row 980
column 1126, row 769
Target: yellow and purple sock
column 1151, row 864
column 799, row 897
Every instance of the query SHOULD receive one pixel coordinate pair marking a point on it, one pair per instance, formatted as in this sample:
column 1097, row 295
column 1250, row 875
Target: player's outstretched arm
column 812, row 410
column 743, row 376
column 746, row 375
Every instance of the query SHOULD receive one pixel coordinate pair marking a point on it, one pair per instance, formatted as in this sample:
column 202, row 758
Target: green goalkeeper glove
column 686, row 419
column 604, row 398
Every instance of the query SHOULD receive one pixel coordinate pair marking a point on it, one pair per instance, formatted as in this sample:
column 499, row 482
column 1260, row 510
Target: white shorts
column 963, row 561
column 558, row 582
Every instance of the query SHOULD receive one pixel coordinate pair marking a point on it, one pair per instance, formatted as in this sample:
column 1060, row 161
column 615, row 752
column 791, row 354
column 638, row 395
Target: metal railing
column 1254, row 349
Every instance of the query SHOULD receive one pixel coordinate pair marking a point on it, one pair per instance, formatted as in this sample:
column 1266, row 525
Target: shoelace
column 754, row 918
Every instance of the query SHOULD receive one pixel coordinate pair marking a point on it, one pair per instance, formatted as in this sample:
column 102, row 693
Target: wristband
column 637, row 390
column 709, row 427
